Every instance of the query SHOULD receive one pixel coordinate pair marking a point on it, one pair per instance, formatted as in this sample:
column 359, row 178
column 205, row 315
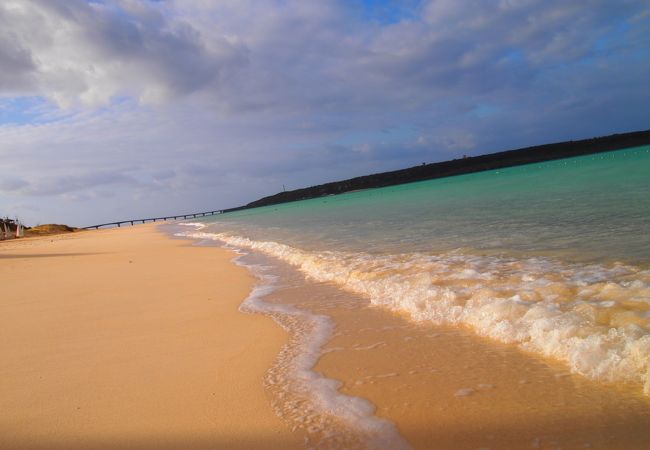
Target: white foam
column 369, row 347
column 464, row 392
column 195, row 225
column 544, row 306
column 295, row 365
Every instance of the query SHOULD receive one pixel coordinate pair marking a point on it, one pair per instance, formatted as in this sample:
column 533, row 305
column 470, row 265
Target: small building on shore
column 10, row 229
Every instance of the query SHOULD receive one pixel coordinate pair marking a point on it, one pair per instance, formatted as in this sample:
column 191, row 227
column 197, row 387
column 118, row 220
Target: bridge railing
column 154, row 219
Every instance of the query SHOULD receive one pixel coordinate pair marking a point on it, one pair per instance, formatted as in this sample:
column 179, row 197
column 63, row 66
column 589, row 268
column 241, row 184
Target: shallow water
column 552, row 258
column 591, row 208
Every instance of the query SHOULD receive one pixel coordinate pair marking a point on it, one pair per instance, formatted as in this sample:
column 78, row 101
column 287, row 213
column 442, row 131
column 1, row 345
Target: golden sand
column 126, row 338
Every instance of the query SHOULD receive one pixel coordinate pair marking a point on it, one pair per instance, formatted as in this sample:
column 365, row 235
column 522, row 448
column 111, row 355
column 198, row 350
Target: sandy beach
column 126, row 338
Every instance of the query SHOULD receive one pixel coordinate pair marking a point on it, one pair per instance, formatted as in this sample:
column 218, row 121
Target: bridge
column 154, row 219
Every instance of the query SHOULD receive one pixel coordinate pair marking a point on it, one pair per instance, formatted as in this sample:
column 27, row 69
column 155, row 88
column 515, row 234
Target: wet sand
column 126, row 338
column 446, row 388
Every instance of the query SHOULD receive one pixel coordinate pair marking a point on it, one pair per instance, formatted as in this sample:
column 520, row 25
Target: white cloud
column 75, row 52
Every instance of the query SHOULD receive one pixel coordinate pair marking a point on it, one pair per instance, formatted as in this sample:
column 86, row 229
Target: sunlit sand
column 129, row 339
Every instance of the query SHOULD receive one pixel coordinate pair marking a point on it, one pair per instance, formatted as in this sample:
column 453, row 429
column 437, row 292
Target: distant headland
column 465, row 165
column 469, row 164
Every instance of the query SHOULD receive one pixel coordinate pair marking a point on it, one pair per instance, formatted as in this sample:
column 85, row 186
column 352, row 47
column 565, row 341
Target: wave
column 593, row 318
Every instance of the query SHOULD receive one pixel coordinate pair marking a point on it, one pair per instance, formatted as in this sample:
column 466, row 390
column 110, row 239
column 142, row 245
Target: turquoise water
column 587, row 208
column 553, row 257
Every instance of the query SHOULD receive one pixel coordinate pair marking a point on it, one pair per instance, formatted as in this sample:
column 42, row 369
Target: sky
column 120, row 109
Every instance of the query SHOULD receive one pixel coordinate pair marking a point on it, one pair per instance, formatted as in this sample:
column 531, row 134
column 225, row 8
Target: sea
column 549, row 259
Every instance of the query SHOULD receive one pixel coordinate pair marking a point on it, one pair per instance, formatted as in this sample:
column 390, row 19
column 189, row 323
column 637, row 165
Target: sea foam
column 305, row 397
column 593, row 318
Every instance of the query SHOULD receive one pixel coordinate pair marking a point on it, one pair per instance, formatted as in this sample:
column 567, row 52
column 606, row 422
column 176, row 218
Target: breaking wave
column 593, row 318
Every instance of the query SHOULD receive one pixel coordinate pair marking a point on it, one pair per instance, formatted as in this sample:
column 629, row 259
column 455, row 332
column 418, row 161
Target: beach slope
column 126, row 338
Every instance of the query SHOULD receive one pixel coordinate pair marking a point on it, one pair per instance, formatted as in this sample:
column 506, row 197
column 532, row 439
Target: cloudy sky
column 118, row 109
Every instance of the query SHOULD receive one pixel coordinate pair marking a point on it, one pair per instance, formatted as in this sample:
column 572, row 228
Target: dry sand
column 126, row 338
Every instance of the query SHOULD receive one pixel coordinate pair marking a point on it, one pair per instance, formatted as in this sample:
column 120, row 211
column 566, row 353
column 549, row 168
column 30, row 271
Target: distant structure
column 11, row 228
column 154, row 219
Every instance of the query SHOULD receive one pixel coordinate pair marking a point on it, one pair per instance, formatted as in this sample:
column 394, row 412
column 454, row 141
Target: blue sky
column 126, row 108
column 390, row 12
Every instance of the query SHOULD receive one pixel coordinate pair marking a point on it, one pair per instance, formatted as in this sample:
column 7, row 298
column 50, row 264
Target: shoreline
column 304, row 397
column 398, row 289
column 445, row 387
column 107, row 344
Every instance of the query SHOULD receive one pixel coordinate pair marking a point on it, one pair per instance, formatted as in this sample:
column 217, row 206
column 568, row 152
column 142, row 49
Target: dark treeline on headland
column 462, row 166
